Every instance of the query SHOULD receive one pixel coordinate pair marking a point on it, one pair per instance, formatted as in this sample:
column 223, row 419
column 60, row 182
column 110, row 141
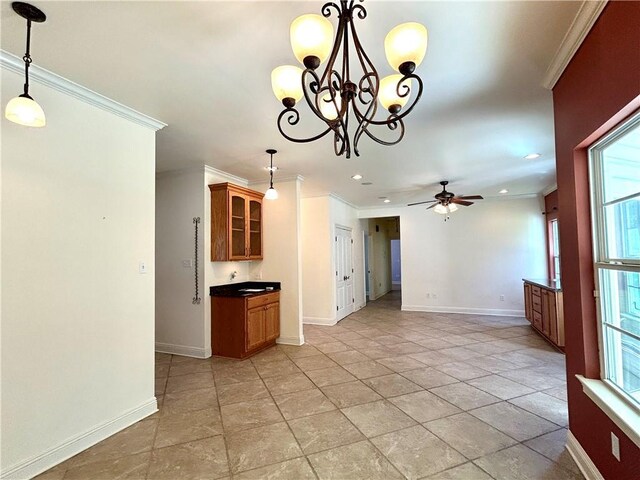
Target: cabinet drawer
column 260, row 300
column 537, row 303
column 537, row 320
column 535, row 290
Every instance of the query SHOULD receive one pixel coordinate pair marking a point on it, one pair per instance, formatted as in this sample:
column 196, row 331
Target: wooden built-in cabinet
column 243, row 326
column 236, row 223
column 543, row 308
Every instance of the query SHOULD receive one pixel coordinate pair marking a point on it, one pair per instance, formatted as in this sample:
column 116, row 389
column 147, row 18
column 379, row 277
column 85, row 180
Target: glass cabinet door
column 255, row 228
column 238, row 227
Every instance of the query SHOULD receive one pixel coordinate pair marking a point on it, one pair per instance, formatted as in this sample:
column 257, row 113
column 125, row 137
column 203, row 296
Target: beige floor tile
column 189, row 400
column 468, row 471
column 460, row 353
column 558, row 392
column 333, row 347
column 324, row 431
column 389, row 340
column 302, row 351
column 277, row 368
column 190, row 461
column 494, row 365
column 514, row 421
column 162, row 370
column 400, row 363
column 367, row 369
column 344, row 358
column 462, row 371
column 522, row 463
column 245, row 372
column 55, row 473
column 351, row 393
column 316, row 362
column 187, row 368
column 288, row 383
column 376, row 353
column 534, row 378
column 163, row 358
column 240, row 416
column 553, row 446
column 272, row 354
column 137, row 438
column 406, row 348
column 424, row 406
column 416, row 452
column 241, row 392
column 436, row 343
column 191, row 381
column 545, row 406
column 464, row 396
column 428, row 377
column 261, row 446
column 377, row 418
column 432, row 358
column 358, row 461
column 330, row 376
column 304, row 403
column 185, row 427
column 391, row 385
column 500, row 387
column 132, row 467
column 160, row 385
column 470, row 436
column 296, row 469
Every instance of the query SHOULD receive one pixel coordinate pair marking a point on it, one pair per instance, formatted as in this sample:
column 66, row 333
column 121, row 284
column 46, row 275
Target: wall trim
column 183, row 350
column 319, row 321
column 585, row 18
column 40, row 463
column 549, row 189
column 40, row 75
column 499, row 312
column 297, row 341
column 586, row 466
column 232, row 178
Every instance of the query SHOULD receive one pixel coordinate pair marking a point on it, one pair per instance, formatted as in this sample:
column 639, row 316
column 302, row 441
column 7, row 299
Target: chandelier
column 337, row 96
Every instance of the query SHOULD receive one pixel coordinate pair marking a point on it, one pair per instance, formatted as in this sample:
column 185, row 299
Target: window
column 615, row 189
column 554, row 249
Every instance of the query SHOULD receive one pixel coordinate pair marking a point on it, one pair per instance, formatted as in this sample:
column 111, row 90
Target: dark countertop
column 547, row 283
column 235, row 289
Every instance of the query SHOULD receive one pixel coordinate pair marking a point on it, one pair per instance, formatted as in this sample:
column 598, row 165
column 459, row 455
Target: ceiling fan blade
column 461, row 202
column 471, row 197
column 431, row 206
column 420, row 203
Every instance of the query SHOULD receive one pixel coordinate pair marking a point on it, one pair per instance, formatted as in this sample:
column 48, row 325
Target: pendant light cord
column 27, row 60
column 271, row 172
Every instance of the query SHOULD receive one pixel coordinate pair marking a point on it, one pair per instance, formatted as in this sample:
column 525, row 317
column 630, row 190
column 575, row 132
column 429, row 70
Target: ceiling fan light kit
column 23, row 109
column 333, row 95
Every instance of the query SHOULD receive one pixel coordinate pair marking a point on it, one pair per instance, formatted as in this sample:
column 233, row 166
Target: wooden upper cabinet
column 236, row 223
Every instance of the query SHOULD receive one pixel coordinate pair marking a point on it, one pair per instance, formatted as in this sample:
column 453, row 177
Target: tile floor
column 383, row 395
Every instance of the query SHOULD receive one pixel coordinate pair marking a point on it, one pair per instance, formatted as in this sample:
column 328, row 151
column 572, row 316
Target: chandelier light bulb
column 388, row 93
column 405, row 46
column 25, row 111
column 328, row 107
column 271, row 194
column 286, row 82
column 311, row 39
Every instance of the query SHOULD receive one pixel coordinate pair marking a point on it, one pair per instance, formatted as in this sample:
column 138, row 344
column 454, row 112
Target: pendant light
column 23, row 109
column 272, row 193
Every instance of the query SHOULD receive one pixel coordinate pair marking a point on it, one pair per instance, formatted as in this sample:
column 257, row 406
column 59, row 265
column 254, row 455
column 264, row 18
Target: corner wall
column 77, row 316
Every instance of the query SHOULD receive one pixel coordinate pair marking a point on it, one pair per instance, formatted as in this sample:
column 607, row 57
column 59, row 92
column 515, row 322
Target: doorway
column 396, row 265
column 382, row 259
column 345, row 298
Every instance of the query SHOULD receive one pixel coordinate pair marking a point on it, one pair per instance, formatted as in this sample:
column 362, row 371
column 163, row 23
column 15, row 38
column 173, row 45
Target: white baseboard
column 40, row 463
column 586, row 466
column 319, row 321
column 184, row 350
column 464, row 310
column 291, row 340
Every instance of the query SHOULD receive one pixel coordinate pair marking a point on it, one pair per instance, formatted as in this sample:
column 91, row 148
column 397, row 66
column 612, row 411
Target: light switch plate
column 142, row 267
column 187, row 263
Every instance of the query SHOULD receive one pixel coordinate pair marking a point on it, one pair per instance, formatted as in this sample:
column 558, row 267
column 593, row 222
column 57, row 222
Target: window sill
column 618, row 410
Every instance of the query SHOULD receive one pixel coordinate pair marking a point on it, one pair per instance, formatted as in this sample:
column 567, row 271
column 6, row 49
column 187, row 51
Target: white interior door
column 344, row 272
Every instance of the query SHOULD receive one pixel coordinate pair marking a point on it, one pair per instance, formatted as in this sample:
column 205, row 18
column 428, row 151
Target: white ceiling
column 204, row 69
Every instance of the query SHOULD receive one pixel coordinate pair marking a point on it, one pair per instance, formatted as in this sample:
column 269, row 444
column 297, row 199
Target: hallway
column 384, row 394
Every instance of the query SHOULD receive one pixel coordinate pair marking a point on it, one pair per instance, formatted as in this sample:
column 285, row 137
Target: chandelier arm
column 393, row 125
column 293, row 119
column 406, row 111
column 326, row 9
column 360, row 10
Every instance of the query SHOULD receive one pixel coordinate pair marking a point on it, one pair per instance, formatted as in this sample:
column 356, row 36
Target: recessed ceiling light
column 532, row 156
column 386, row 200
column 366, row 183
column 504, row 190
column 357, row 176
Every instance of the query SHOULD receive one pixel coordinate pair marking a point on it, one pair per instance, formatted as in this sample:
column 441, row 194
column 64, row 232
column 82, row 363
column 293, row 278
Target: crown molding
column 549, row 189
column 226, row 175
column 585, row 18
column 15, row 64
column 278, row 179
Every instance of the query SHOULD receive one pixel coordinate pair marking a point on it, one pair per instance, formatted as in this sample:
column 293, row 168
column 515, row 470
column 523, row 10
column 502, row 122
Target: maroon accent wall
column 599, row 89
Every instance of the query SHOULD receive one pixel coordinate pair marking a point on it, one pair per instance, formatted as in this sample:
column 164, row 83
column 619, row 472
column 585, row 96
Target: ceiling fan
column 446, row 202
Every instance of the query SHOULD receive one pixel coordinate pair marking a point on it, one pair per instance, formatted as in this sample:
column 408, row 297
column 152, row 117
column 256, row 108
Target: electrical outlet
column 428, row 295
column 502, row 298
column 615, row 446
column 142, row 267
column 187, row 263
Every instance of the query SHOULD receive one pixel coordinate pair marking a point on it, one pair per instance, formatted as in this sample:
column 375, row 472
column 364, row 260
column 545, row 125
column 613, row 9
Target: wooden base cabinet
column 243, row 326
column 543, row 308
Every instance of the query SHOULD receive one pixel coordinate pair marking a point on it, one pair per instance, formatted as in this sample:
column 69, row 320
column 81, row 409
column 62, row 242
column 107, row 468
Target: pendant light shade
column 23, row 109
column 388, row 94
column 452, row 207
column 271, row 193
column 286, row 82
column 406, row 44
column 311, row 39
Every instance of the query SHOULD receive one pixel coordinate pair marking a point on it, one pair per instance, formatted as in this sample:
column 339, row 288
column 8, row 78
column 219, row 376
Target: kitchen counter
column 244, row 289
column 547, row 283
